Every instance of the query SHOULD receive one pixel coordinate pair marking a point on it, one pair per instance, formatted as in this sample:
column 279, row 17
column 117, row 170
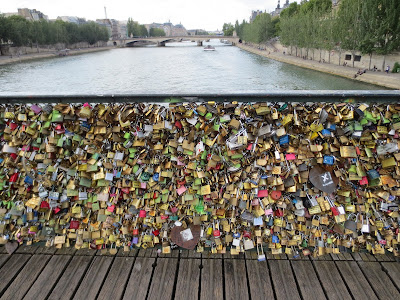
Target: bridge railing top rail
column 380, row 96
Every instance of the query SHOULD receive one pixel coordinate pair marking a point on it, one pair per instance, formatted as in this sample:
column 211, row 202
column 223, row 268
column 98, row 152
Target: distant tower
column 287, row 3
column 279, row 4
column 105, row 11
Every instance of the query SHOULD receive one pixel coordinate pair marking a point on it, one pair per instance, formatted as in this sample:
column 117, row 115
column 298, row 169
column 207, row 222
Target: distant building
column 278, row 9
column 71, row 19
column 10, row 14
column 32, row 14
column 123, row 29
column 216, row 32
column 105, row 23
column 196, row 31
column 254, row 14
column 174, row 30
column 154, row 25
column 169, row 28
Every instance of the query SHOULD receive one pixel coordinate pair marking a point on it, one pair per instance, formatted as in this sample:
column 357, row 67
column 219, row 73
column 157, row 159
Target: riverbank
column 4, row 60
column 391, row 80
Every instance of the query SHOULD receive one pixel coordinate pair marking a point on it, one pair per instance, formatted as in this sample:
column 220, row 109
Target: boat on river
column 209, row 48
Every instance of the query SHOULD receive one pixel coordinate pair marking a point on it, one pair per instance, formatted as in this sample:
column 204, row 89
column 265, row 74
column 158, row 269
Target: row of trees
column 261, row 30
column 368, row 26
column 135, row 29
column 21, row 32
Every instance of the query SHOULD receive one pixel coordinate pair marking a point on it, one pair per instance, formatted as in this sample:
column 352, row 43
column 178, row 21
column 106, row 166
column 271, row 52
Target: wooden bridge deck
column 34, row 272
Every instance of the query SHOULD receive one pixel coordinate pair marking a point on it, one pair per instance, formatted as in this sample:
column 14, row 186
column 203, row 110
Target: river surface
column 180, row 68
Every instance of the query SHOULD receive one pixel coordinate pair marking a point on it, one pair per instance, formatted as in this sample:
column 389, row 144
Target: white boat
column 209, row 48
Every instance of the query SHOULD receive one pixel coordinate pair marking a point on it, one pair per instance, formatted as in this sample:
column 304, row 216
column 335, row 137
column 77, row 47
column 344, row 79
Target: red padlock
column 335, row 211
column 74, row 225
column 276, row 195
column 13, row 177
column 135, row 231
column 156, row 232
column 246, row 234
column 178, row 124
column 142, row 213
column 44, row 204
column 216, row 233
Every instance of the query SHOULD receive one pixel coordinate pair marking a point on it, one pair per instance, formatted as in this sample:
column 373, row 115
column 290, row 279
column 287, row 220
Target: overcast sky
column 193, row 14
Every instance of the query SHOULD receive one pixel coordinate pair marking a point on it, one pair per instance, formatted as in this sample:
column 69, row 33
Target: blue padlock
column 135, row 240
column 156, row 177
column 325, row 132
column 284, row 140
column 373, row 174
column 329, row 160
column 275, row 239
column 236, row 235
column 331, row 127
column 28, row 180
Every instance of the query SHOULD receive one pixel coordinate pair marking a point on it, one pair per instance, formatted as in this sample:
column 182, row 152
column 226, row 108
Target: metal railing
column 381, row 96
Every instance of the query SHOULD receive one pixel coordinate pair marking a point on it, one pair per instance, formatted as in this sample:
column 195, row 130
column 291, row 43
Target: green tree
column 156, row 32
column 388, row 29
column 143, row 31
column 4, row 29
column 228, row 29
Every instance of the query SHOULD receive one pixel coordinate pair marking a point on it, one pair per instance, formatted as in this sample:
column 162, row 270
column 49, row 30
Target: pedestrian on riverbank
column 387, row 69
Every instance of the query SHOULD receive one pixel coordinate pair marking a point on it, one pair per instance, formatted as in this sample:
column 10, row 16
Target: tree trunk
column 313, row 52
column 329, row 59
column 340, row 56
column 352, row 58
column 320, row 55
column 383, row 63
column 370, row 60
column 296, row 53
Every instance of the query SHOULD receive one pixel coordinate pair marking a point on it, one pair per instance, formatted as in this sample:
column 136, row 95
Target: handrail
column 381, row 96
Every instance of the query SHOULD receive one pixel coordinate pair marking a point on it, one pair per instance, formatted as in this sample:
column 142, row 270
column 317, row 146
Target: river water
column 180, row 68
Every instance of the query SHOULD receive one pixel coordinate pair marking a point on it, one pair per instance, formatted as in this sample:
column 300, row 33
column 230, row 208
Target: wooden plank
column 355, row 280
column 393, row 271
column 3, row 259
column 283, row 279
column 212, row 280
column 139, row 280
column 27, row 276
column 370, row 257
column 66, row 251
column 86, row 252
column 46, row 250
column 114, row 286
column 69, row 281
column 356, row 256
column 48, row 277
column 194, row 254
column 331, row 280
column 309, row 285
column 3, row 249
column 93, row 280
column 11, row 268
column 162, row 284
column 379, row 280
column 131, row 253
column 347, row 256
column 187, row 286
column 235, row 279
column 259, row 280
column 251, row 255
column 24, row 249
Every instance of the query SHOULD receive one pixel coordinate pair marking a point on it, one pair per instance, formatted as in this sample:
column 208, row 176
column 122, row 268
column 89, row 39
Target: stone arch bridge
column 161, row 41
